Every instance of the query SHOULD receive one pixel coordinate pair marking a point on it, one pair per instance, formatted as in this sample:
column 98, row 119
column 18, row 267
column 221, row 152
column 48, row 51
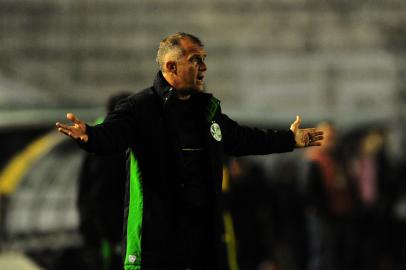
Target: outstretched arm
column 77, row 131
column 307, row 136
column 240, row 140
column 110, row 137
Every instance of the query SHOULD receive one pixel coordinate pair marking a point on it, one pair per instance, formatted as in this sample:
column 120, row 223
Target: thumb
column 295, row 125
column 72, row 118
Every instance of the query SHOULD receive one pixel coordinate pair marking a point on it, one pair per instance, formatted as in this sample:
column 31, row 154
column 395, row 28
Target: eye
column 197, row 59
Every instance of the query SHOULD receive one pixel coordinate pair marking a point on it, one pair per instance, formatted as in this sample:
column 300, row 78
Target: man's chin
column 200, row 88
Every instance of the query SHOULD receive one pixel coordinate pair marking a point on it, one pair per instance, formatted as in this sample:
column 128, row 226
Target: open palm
column 306, row 136
column 76, row 131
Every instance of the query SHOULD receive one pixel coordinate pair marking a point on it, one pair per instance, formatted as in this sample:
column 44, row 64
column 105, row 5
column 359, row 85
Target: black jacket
column 100, row 194
column 140, row 123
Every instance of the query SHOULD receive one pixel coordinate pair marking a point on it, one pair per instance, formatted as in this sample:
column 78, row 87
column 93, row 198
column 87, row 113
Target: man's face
column 190, row 67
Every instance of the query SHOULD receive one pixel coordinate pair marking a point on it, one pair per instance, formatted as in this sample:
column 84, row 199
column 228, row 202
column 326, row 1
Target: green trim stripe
column 98, row 121
column 214, row 104
column 134, row 221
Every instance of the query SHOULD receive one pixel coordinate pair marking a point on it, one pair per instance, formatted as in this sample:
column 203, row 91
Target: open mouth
column 200, row 78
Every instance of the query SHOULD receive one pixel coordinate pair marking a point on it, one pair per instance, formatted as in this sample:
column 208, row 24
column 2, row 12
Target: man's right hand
column 76, row 131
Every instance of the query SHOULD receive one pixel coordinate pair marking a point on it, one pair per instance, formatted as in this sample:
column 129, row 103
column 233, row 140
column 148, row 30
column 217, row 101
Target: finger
column 61, row 125
column 65, row 131
column 318, row 138
column 69, row 133
column 311, row 131
column 313, row 134
column 317, row 133
column 73, row 118
column 297, row 121
column 295, row 125
column 84, row 138
column 315, row 144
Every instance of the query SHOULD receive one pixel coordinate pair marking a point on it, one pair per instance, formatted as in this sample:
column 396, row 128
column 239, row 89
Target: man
column 176, row 136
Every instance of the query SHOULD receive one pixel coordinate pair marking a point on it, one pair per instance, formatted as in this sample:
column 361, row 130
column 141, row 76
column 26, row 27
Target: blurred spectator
column 288, row 223
column 397, row 228
column 330, row 204
column 247, row 202
column 369, row 169
column 372, row 179
column 100, row 203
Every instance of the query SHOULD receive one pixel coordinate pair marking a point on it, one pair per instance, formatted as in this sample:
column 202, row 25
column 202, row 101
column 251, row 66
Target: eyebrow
column 198, row 55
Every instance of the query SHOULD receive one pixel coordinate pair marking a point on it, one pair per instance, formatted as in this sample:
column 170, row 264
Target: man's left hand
column 307, row 136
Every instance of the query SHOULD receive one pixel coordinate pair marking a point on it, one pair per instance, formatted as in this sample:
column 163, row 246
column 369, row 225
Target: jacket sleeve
column 240, row 140
column 113, row 136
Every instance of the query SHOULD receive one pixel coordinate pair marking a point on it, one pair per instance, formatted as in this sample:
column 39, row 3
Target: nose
column 202, row 66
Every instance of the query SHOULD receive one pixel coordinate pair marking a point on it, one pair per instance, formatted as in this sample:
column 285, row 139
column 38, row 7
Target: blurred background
column 338, row 60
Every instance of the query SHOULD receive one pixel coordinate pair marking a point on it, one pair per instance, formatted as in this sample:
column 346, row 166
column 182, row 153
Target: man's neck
column 180, row 94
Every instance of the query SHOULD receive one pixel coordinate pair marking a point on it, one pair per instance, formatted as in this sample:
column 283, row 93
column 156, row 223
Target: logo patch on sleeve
column 215, row 131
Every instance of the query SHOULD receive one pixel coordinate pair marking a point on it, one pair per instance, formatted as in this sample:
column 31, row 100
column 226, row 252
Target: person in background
column 372, row 179
column 248, row 204
column 100, row 204
column 330, row 201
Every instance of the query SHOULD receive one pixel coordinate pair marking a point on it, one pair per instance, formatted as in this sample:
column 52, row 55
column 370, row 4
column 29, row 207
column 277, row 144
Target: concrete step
column 15, row 260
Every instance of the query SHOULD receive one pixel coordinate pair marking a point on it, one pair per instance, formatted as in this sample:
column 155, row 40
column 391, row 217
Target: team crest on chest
column 215, row 131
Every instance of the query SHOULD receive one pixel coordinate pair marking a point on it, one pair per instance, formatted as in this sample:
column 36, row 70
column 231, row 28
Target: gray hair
column 171, row 44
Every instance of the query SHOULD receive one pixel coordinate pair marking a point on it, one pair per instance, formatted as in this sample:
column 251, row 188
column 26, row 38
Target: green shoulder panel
column 212, row 108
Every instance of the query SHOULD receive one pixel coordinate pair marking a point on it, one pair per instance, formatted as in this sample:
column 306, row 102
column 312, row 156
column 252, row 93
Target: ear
column 171, row 66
